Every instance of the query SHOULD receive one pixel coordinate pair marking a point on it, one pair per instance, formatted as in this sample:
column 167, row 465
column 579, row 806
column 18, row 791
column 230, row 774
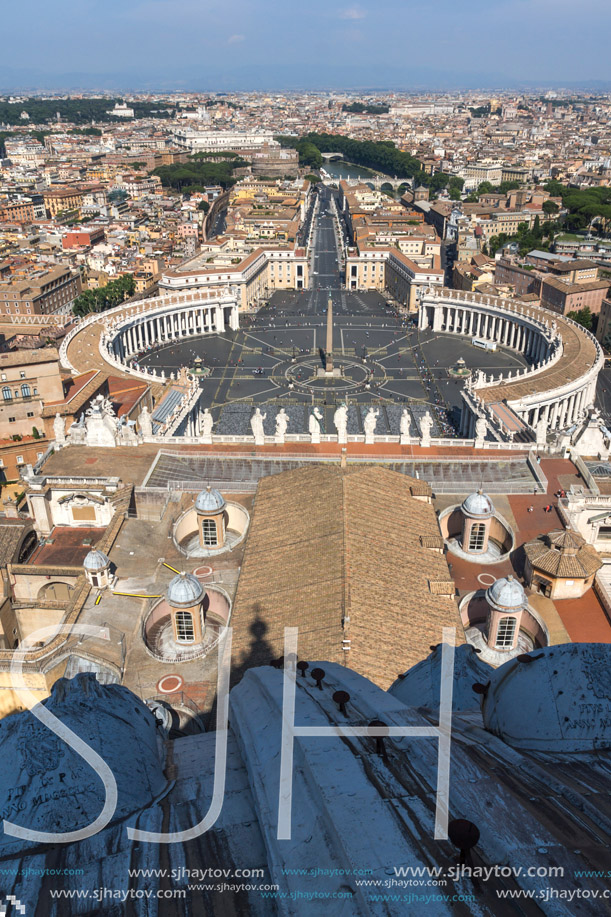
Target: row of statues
column 340, row 421
column 100, row 426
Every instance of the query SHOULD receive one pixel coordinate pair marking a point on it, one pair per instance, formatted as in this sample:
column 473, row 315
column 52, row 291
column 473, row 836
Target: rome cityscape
column 305, row 435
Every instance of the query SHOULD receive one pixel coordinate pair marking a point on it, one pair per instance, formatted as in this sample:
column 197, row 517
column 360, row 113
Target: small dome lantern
column 185, row 595
column 97, row 569
column 507, row 601
column 210, row 506
column 478, row 514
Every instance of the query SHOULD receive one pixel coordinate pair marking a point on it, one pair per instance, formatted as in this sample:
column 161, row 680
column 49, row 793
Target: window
column 505, row 633
column 4, row 377
column 12, row 419
column 6, row 393
column 476, row 537
column 20, row 460
column 30, row 414
column 185, row 632
column 26, row 391
column 22, row 375
column 209, row 532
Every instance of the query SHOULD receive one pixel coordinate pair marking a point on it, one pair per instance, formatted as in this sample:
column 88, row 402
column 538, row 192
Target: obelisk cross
column 329, row 348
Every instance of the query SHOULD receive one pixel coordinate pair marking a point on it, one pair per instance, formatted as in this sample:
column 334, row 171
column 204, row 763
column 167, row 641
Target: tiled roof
column 11, row 534
column 339, row 554
column 563, row 554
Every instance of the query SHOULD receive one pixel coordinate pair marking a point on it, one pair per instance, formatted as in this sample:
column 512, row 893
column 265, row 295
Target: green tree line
column 382, row 155
column 583, row 206
column 360, row 108
column 197, row 174
column 540, row 236
column 113, row 294
column 76, row 111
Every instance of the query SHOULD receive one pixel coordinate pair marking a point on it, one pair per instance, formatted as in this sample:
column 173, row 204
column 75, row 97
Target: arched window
column 505, row 633
column 476, row 537
column 209, row 532
column 6, row 393
column 25, row 390
column 185, row 632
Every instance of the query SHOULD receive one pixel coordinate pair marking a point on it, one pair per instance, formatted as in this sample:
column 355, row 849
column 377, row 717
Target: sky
column 319, row 44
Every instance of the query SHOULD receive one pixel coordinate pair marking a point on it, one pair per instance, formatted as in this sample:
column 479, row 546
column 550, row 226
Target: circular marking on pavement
column 169, row 684
column 201, row 572
column 486, row 579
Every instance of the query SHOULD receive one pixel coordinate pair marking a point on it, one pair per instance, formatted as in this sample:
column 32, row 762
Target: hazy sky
column 241, row 44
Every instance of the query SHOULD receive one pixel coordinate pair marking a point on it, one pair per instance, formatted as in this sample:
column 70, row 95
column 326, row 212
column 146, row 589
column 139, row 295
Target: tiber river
column 346, row 170
column 349, row 170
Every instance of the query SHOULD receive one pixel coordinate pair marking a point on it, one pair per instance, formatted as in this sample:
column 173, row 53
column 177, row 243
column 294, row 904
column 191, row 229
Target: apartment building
column 28, row 379
column 16, row 212
column 82, row 238
column 41, row 293
column 61, row 200
column 563, row 297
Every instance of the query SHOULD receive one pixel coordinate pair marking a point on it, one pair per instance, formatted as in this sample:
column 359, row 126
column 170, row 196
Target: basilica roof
column 352, row 559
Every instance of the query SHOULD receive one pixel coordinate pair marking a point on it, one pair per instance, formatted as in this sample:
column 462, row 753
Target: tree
column 550, row 207
column 203, row 205
column 113, row 294
column 582, row 317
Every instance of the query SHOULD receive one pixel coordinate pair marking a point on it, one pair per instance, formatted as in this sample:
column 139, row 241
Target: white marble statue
column 282, row 422
column 126, row 433
column 146, row 421
column 205, row 425
column 340, row 419
column 426, row 424
column 314, row 425
column 541, row 432
column 101, row 423
column 369, row 425
column 59, row 429
column 405, row 426
column 481, row 428
column 256, row 424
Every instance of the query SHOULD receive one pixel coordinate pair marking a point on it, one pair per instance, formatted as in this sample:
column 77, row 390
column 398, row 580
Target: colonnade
column 142, row 330
column 510, row 331
column 535, row 335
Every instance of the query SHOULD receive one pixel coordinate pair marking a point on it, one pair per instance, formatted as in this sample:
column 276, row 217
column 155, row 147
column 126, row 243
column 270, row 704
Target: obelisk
column 329, row 349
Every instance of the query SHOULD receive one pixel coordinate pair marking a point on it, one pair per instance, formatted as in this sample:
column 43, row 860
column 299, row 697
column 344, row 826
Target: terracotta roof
column 21, row 357
column 563, row 554
column 12, row 533
column 338, row 554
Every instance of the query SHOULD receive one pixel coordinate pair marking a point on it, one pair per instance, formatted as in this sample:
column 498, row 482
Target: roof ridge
column 346, row 590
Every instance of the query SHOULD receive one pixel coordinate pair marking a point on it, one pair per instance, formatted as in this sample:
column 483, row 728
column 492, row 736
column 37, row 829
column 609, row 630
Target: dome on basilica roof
column 478, row 504
column 210, row 501
column 96, row 561
column 507, row 593
column 185, row 590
